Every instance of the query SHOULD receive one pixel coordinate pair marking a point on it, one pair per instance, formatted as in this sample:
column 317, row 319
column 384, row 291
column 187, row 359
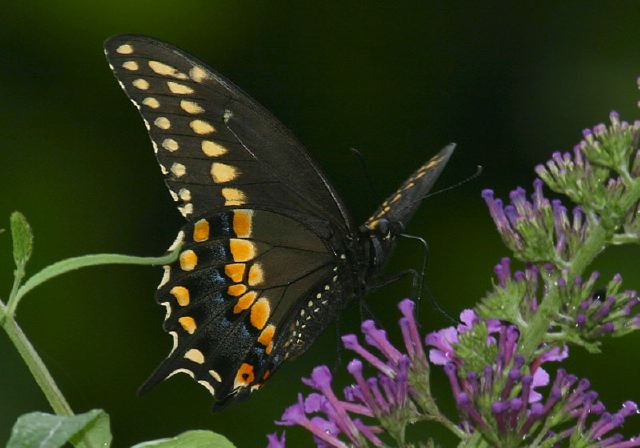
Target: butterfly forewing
column 400, row 206
column 216, row 146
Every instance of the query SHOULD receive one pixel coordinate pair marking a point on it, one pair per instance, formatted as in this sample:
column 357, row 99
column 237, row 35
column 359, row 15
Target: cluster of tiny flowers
column 501, row 400
column 586, row 313
column 610, row 146
column 581, row 174
column 594, row 313
column 385, row 397
column 538, row 230
column 508, row 401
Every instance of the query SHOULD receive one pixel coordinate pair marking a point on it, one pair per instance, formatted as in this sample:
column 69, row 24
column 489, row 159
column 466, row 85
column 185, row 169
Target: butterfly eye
column 384, row 227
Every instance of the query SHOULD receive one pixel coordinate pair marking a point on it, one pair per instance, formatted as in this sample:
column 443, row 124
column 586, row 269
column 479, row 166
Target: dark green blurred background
column 509, row 84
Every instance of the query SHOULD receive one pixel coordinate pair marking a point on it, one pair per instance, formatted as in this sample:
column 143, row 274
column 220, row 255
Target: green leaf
column 22, row 238
column 41, row 430
column 190, row 439
column 97, row 434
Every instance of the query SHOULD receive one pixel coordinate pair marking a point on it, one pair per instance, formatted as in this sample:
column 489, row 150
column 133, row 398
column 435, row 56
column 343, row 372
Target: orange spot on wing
column 242, row 250
column 245, row 302
column 243, row 223
column 201, row 230
column 235, row 271
column 236, row 290
column 260, row 312
column 188, row 260
column 181, row 294
column 188, row 323
column 256, row 274
column 267, row 335
column 269, row 348
column 245, row 375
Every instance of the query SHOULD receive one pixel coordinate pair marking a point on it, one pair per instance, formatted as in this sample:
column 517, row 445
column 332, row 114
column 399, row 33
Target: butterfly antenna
column 478, row 172
column 365, row 170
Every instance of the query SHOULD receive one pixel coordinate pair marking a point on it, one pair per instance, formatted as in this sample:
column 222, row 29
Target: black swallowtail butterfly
column 270, row 255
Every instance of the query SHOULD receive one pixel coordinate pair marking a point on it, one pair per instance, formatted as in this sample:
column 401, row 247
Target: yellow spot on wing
column 151, row 102
column 260, row 312
column 201, row 127
column 234, row 196
column 179, row 239
column 124, row 49
column 188, row 324
column 184, row 194
column 188, row 260
column 198, row 74
column 180, row 89
column 245, row 302
column 221, row 172
column 207, row 386
column 162, row 123
column 236, row 290
column 191, row 107
column 130, row 65
column 235, row 271
column 267, row 335
column 168, row 310
column 243, row 223
column 170, row 144
column 195, row 355
column 166, row 70
column 212, row 149
column 186, row 210
column 187, row 371
column 256, row 274
column 141, row 84
column 215, row 375
column 201, row 230
column 178, row 169
column 166, row 274
column 242, row 250
column 181, row 294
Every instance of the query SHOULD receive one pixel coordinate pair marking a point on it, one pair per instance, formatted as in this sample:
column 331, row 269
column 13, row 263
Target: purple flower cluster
column 500, row 396
column 610, row 146
column 501, row 401
column 606, row 311
column 385, row 397
column 538, row 230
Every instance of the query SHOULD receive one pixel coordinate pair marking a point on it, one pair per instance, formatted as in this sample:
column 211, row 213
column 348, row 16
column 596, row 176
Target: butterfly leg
column 418, row 279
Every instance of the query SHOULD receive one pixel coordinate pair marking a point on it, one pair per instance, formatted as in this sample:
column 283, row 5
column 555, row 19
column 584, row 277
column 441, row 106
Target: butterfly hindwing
column 231, row 295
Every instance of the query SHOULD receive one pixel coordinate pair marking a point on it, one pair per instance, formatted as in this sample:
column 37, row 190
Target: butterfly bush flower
column 508, row 401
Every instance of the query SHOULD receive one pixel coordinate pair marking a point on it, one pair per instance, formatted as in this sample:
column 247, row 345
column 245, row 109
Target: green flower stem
column 70, row 264
column 26, row 350
column 36, row 366
column 625, row 238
